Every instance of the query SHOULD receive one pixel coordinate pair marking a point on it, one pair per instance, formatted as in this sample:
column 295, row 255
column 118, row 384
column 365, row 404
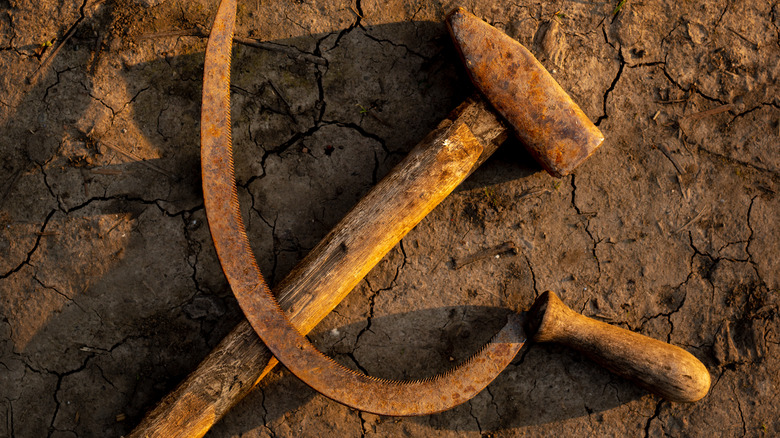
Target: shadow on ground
column 111, row 290
column 545, row 383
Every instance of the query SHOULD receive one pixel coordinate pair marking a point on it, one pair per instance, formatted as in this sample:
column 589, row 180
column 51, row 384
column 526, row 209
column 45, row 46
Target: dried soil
column 111, row 293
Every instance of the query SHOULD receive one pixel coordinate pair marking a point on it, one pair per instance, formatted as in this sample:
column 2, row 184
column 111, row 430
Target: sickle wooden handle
column 661, row 368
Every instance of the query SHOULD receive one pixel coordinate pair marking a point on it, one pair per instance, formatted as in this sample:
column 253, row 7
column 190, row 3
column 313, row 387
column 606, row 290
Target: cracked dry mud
column 110, row 291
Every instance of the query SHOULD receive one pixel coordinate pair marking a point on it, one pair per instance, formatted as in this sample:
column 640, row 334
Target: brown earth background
column 111, row 293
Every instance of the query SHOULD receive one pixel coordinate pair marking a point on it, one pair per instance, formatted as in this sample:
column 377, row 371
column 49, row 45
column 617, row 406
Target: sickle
column 341, row 384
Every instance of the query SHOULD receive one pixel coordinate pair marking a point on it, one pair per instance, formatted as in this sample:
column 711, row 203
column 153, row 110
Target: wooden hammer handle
column 661, row 368
column 317, row 284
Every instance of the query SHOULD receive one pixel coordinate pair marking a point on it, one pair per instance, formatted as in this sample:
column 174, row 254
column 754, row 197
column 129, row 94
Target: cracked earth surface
column 111, row 293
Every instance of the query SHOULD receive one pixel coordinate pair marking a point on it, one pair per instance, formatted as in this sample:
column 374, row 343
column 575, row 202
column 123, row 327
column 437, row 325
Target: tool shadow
column 287, row 131
column 545, row 383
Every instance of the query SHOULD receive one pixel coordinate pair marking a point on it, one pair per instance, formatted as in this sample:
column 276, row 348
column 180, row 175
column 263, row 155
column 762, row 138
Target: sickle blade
column 341, row 384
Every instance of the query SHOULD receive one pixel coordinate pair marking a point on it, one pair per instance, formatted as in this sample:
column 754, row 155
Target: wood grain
column 312, row 290
column 661, row 368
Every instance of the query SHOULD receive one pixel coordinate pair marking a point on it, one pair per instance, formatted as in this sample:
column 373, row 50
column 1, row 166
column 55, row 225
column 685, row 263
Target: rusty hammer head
column 553, row 128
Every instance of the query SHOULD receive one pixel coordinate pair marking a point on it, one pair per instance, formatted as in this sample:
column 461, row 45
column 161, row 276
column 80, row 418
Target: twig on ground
column 33, row 78
column 710, row 112
column 119, row 221
column 139, row 159
column 685, row 144
column 668, row 155
column 9, row 184
column 696, row 218
column 53, row 54
column 755, row 44
column 683, row 190
column 198, row 32
column 506, row 247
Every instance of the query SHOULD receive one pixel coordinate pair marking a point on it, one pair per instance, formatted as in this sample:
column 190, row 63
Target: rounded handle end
column 657, row 366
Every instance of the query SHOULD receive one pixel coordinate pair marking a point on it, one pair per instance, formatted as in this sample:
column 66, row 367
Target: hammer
column 529, row 102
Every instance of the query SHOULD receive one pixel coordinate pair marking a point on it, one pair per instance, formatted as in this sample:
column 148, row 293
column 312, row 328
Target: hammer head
column 553, row 128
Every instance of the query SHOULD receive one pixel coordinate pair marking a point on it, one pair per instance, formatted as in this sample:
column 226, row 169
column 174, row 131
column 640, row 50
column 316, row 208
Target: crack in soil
column 471, row 412
column 493, row 401
column 344, row 32
column 56, row 82
column 372, row 300
column 265, row 411
column 103, row 376
column 774, row 21
column 693, row 89
column 751, row 259
column 587, row 225
column 26, row 261
column 614, row 81
column 712, row 262
column 717, row 22
column 360, row 130
column 194, row 248
column 653, row 417
column 157, row 123
column 668, row 315
column 132, row 199
column 192, row 258
column 114, row 112
column 533, row 275
column 318, row 76
column 58, row 292
column 58, row 386
column 196, row 255
column 747, row 111
column 276, row 249
column 85, row 204
column 354, row 360
column 394, row 44
column 363, row 427
column 49, row 187
column 741, row 413
column 278, row 150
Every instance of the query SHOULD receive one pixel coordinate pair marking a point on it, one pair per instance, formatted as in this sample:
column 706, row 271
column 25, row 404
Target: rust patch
column 553, row 128
column 259, row 304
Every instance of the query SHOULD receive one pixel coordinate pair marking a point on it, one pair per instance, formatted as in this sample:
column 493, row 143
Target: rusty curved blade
column 341, row 384
column 553, row 128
